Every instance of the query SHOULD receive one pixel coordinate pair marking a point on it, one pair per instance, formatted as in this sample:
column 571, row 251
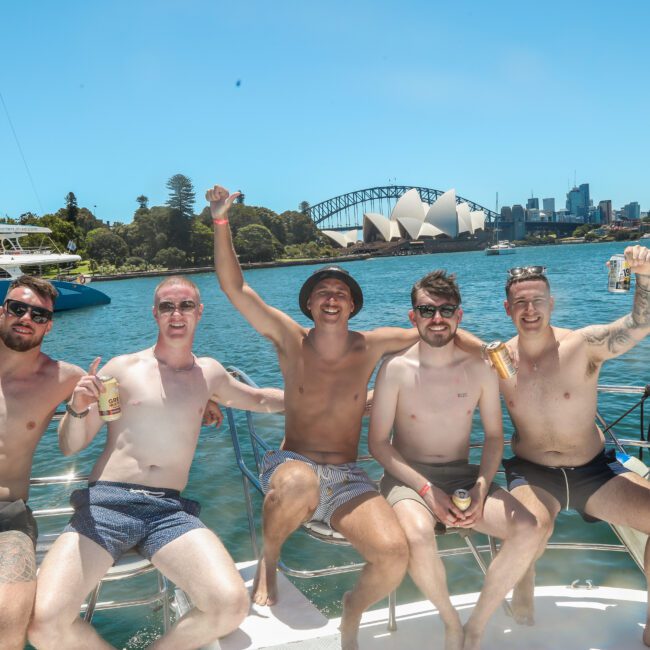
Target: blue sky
column 111, row 98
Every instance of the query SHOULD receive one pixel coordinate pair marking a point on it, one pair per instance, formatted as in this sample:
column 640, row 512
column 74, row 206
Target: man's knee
column 227, row 607
column 388, row 545
column 293, row 480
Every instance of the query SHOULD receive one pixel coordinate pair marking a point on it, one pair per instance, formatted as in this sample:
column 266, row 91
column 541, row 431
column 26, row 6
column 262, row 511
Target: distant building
column 533, row 214
column 549, row 207
column 606, row 214
column 578, row 201
column 506, row 213
column 532, row 204
column 632, row 211
column 519, row 222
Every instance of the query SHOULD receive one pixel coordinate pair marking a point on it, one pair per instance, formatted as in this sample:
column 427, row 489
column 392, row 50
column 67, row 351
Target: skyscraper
column 532, row 204
column 606, row 214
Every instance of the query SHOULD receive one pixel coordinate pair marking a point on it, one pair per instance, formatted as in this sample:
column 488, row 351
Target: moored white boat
column 14, row 258
column 502, row 247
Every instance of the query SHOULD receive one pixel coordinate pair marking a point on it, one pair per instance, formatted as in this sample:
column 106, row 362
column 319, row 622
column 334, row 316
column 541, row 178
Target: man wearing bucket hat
column 314, row 476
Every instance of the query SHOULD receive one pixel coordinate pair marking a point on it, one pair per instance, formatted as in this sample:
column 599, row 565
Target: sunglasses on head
column 39, row 315
column 518, row 271
column 429, row 311
column 169, row 307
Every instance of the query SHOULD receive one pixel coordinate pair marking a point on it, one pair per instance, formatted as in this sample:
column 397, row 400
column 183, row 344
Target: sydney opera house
column 413, row 219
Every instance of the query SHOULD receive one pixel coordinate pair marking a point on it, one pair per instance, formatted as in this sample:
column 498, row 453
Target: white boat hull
column 567, row 618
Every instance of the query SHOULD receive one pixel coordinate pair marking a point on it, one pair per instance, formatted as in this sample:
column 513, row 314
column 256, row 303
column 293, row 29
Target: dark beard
column 18, row 344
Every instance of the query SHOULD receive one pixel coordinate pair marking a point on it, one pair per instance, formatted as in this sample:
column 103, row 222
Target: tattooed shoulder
column 17, row 560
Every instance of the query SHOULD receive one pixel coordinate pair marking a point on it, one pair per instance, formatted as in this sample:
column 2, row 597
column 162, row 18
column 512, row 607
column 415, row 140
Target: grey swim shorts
column 121, row 516
column 338, row 483
column 455, row 475
column 16, row 515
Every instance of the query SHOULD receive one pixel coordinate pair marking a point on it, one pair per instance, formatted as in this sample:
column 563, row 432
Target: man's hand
column 87, row 390
column 212, row 414
column 474, row 513
column 638, row 258
column 220, row 201
column 443, row 508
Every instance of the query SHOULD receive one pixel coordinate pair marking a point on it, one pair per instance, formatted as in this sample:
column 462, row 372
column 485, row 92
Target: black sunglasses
column 429, row 311
column 39, row 315
column 518, row 271
column 169, row 307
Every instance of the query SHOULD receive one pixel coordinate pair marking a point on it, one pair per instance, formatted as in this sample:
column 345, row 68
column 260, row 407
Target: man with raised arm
column 425, row 397
column 32, row 385
column 560, row 459
column 133, row 499
column 326, row 370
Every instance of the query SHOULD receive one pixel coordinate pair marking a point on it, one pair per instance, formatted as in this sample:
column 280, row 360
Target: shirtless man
column 31, row 387
column 326, row 370
column 559, row 459
column 427, row 396
column 133, row 498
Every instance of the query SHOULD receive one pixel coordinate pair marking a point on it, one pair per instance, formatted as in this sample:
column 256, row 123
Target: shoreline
column 304, row 262
column 245, row 267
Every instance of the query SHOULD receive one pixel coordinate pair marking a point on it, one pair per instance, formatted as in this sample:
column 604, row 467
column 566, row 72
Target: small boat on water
column 16, row 260
column 502, row 247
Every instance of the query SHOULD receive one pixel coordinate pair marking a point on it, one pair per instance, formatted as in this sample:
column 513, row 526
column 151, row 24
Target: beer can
column 109, row 401
column 461, row 499
column 500, row 358
column 619, row 274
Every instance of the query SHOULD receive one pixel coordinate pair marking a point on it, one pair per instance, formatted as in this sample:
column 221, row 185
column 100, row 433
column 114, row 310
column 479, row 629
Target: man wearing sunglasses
column 420, row 427
column 32, row 385
column 559, row 459
column 133, row 499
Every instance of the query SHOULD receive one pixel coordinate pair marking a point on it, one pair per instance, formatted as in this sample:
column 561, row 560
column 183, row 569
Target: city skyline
column 307, row 101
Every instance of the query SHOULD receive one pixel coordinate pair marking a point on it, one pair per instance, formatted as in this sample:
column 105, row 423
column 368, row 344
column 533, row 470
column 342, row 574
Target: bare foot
column 349, row 625
column 454, row 637
column 265, row 585
column 523, row 597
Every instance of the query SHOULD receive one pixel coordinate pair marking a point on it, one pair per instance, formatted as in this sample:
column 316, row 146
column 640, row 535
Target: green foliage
column 104, row 246
column 254, row 243
column 62, row 231
column 71, row 208
column 86, row 220
column 181, row 195
column 300, row 228
column 171, row 258
column 201, row 243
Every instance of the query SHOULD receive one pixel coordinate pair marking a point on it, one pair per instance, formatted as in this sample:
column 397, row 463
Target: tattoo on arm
column 641, row 307
column 618, row 336
column 17, row 559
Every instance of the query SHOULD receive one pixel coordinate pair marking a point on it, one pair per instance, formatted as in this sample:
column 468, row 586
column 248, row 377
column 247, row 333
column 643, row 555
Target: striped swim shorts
column 339, row 484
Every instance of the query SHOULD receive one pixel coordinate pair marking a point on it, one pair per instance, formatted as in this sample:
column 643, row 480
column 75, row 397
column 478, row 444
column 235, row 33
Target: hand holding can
column 109, row 400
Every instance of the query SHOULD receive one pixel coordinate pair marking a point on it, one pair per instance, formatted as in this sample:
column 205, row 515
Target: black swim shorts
column 571, row 486
column 16, row 515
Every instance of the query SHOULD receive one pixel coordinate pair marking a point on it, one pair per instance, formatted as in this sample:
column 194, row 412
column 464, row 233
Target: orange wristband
column 219, row 222
column 424, row 489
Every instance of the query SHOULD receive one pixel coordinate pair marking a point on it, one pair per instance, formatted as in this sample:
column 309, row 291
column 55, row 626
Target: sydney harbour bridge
column 346, row 211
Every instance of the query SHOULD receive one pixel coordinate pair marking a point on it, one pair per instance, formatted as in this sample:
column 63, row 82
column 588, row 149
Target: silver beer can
column 619, row 274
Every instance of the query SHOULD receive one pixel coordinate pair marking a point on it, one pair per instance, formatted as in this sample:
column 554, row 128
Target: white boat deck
column 601, row 618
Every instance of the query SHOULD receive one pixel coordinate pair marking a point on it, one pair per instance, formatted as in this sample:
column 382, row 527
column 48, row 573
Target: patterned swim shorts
column 121, row 516
column 338, row 483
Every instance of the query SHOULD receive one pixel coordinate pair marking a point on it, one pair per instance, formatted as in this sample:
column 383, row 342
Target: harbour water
column 578, row 278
